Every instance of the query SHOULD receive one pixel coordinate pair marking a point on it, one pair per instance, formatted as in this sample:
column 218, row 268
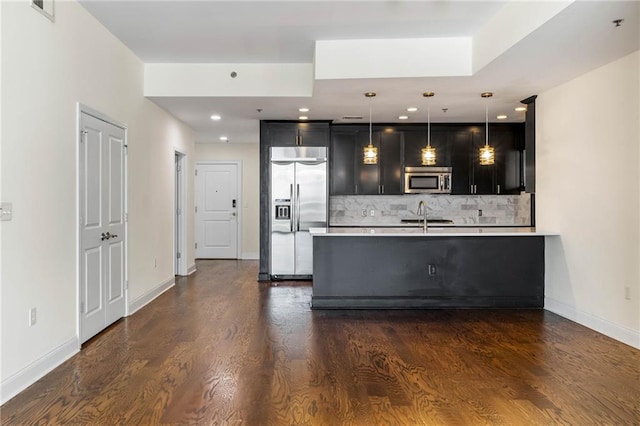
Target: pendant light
column 486, row 153
column 428, row 152
column 370, row 152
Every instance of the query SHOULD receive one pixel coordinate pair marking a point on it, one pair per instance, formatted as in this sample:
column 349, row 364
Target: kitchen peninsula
column 369, row 268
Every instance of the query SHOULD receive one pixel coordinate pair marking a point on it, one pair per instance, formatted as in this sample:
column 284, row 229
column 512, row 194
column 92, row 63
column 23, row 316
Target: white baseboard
column 250, row 255
column 146, row 298
column 623, row 334
column 33, row 372
column 191, row 269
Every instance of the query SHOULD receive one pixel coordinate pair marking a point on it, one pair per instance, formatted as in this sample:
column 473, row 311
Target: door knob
column 104, row 237
column 233, row 214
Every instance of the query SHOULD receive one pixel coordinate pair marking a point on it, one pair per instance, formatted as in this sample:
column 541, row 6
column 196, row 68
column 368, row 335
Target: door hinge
column 179, row 168
column 126, row 284
column 82, row 307
column 196, row 245
column 126, row 217
column 179, row 255
column 81, row 221
column 196, row 209
column 196, row 172
column 126, row 149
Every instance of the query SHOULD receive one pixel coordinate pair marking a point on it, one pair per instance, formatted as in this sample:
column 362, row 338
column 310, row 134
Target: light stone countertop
column 434, row 231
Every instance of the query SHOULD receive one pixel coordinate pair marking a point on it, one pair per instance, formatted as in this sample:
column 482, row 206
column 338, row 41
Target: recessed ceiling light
column 519, row 109
column 224, row 138
column 303, row 117
column 501, row 117
column 412, row 109
column 303, row 109
column 403, row 117
column 215, row 117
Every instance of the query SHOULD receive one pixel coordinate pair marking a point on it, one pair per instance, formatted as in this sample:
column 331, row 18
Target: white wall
column 46, row 69
column 249, row 154
column 588, row 189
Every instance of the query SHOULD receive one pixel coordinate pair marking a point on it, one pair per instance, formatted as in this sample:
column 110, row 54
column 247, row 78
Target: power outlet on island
column 432, row 269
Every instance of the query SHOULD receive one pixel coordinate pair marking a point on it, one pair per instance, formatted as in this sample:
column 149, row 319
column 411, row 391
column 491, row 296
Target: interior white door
column 102, row 225
column 217, row 211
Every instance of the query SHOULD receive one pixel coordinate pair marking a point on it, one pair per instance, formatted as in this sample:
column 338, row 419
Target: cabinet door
column 313, row 134
column 415, row 140
column 484, row 177
column 505, row 140
column 288, row 134
column 460, row 142
column 282, row 134
column 390, row 160
column 342, row 161
column 367, row 175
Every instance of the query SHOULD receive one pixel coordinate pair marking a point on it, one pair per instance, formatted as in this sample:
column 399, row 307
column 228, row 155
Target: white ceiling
column 579, row 38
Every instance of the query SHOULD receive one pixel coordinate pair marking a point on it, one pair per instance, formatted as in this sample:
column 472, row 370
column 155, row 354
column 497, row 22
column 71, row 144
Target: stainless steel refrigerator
column 298, row 202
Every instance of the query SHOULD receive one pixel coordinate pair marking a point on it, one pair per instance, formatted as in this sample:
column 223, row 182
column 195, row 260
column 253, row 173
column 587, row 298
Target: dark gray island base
column 415, row 272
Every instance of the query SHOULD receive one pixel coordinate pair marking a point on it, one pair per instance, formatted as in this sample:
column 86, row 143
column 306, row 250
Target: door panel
column 304, row 253
column 217, row 224
column 102, row 266
column 311, row 195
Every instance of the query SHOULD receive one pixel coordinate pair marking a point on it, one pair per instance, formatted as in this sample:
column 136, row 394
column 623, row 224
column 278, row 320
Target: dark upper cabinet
column 390, row 161
column 350, row 176
column 367, row 175
column 291, row 134
column 457, row 146
column 416, row 139
column 342, row 161
column 460, row 143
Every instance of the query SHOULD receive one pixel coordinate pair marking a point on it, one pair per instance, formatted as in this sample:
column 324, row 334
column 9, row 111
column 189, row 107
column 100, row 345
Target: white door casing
column 180, row 213
column 102, row 224
column 217, row 210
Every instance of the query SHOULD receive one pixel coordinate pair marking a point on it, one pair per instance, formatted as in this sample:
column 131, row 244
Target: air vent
column 352, row 117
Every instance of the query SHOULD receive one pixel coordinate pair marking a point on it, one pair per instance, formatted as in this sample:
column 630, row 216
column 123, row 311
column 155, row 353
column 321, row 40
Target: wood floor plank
column 221, row 349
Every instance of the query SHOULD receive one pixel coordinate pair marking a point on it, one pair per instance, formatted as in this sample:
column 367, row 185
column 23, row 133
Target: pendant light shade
column 370, row 152
column 428, row 153
column 487, row 153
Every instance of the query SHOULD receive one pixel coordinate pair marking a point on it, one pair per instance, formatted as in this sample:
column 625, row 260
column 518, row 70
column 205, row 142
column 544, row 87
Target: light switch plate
column 6, row 211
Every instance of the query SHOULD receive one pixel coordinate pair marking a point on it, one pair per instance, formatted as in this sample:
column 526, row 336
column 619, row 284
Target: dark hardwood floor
column 220, row 349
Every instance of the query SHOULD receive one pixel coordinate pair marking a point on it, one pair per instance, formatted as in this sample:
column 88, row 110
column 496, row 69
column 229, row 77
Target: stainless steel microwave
column 427, row 180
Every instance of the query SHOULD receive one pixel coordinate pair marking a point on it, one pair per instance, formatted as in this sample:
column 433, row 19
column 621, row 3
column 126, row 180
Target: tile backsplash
column 388, row 210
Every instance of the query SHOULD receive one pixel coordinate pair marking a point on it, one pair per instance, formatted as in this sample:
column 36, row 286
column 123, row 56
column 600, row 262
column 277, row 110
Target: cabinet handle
column 356, row 188
column 382, row 187
column 498, row 189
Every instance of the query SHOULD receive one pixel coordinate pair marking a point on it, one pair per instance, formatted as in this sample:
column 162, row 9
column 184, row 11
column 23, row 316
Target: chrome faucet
column 422, row 210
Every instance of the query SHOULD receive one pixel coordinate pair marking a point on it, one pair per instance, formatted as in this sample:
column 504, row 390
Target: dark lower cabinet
column 373, row 272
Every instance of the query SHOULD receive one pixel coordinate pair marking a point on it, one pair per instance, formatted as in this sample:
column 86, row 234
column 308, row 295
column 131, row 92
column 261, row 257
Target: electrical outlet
column 432, row 269
column 32, row 317
column 372, row 212
column 627, row 292
column 479, row 212
column 364, row 212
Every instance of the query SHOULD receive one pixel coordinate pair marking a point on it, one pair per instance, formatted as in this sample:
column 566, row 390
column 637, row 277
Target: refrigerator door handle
column 291, row 211
column 297, row 207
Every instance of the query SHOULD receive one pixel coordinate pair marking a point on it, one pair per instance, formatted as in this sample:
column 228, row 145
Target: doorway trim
column 180, row 220
column 80, row 109
column 238, row 164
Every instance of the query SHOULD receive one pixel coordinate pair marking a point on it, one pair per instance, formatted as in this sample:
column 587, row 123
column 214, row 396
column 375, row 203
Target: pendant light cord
column 370, row 132
column 486, row 121
column 428, row 126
